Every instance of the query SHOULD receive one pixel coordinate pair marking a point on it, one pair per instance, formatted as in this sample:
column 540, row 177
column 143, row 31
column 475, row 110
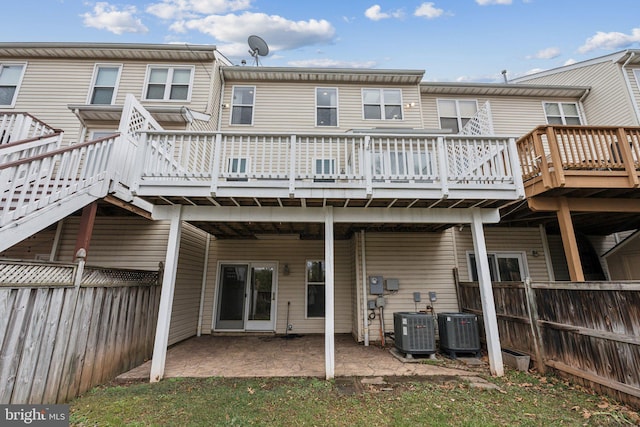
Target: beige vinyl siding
column 558, row 259
column 633, row 74
column 186, row 298
column 37, row 246
column 624, row 264
column 512, row 116
column 68, row 81
column 290, row 107
column 291, row 288
column 421, row 262
column 499, row 239
column 137, row 243
column 608, row 102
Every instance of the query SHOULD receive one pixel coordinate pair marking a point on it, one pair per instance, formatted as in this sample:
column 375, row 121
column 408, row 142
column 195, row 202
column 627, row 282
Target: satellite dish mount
column 257, row 48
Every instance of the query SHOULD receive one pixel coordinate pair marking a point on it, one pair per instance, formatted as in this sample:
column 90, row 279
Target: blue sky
column 452, row 40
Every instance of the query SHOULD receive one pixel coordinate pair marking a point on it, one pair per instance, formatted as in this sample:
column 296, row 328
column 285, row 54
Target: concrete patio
column 303, row 356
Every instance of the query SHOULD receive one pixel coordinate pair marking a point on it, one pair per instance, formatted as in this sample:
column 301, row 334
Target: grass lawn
column 521, row 400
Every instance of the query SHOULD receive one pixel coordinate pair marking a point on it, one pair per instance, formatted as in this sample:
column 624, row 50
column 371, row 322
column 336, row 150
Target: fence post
column 81, row 256
column 368, row 165
column 532, row 311
column 442, row 167
column 293, row 145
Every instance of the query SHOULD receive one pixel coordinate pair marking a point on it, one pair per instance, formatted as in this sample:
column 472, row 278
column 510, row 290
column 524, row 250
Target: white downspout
column 204, row 283
column 636, row 109
column 365, row 317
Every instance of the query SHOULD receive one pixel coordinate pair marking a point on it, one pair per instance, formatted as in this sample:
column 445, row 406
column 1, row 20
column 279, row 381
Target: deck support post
column 568, row 234
column 329, row 322
column 87, row 220
column 166, row 296
column 486, row 295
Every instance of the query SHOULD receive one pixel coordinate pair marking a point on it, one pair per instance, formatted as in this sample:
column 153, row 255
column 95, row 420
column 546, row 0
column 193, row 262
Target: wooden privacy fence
column 589, row 330
column 65, row 328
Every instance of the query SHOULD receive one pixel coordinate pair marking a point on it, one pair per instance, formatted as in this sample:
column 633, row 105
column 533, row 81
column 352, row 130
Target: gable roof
column 320, row 75
column 620, row 57
column 113, row 51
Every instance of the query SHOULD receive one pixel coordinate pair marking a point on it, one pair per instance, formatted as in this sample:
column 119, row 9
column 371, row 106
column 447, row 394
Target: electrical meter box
column 371, row 304
column 392, row 284
column 376, row 285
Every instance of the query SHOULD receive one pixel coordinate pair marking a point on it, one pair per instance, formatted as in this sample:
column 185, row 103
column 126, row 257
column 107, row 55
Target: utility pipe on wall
column 365, row 317
column 204, row 283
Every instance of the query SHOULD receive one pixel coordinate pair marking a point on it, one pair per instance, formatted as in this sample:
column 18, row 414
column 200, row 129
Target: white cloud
column 375, row 13
column 548, row 53
column 570, row 61
column 180, row 9
column 489, row 2
column 331, row 63
column 278, row 32
column 428, row 10
column 612, row 40
column 108, row 17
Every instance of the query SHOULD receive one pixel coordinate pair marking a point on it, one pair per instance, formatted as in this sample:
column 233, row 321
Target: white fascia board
column 341, row 215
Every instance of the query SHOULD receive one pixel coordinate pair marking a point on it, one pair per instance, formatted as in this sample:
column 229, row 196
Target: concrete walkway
column 274, row 356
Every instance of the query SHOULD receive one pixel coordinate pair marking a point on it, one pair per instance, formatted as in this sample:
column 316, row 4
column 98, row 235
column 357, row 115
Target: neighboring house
column 276, row 195
column 595, row 193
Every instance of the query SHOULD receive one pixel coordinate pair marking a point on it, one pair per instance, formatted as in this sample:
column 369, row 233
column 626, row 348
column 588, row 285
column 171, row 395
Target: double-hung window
column 315, row 288
column 562, row 113
column 105, row 84
column 169, row 83
column 326, row 106
column 382, row 104
column 243, row 99
column 454, row 114
column 503, row 267
column 10, row 79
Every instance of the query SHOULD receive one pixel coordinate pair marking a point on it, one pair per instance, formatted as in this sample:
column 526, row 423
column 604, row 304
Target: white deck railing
column 27, row 185
column 30, row 147
column 18, row 126
column 341, row 161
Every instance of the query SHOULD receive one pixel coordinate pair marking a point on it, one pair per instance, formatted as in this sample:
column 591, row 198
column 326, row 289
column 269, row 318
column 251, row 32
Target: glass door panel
column 231, row 298
column 261, row 298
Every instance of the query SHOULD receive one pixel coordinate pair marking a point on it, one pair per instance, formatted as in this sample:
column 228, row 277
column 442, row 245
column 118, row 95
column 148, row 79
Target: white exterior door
column 246, row 297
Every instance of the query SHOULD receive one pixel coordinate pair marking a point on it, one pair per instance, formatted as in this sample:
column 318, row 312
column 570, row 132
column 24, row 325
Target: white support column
column 486, row 295
column 166, row 297
column 329, row 326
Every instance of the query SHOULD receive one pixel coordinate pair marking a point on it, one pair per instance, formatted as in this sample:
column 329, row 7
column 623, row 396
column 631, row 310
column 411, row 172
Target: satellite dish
column 257, row 48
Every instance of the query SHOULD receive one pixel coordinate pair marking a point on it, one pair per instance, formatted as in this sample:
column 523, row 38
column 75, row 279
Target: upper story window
column 382, row 104
column 326, row 106
column 169, row 83
column 105, row 84
column 243, row 102
column 455, row 113
column 562, row 113
column 10, row 79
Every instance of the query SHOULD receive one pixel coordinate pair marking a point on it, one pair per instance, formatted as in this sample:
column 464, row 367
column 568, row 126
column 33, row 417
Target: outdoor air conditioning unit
column 459, row 333
column 414, row 333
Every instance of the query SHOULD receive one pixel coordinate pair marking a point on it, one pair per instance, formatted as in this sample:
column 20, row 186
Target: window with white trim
column 503, row 266
column 382, row 104
column 315, row 288
column 243, row 99
column 169, row 83
column 326, row 106
column 454, row 114
column 238, row 165
column 104, row 84
column 10, row 79
column 562, row 113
